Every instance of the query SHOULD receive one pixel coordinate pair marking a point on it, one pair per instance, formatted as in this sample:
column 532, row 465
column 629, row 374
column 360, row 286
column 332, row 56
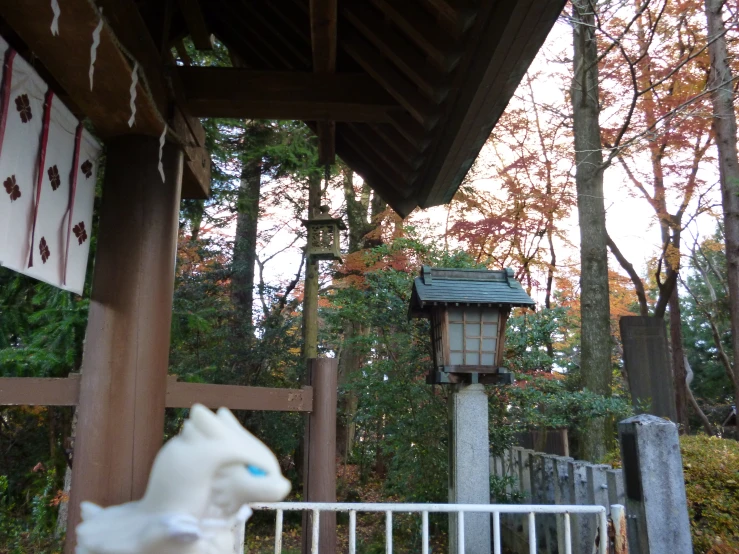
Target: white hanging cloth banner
column 47, row 167
column 55, row 22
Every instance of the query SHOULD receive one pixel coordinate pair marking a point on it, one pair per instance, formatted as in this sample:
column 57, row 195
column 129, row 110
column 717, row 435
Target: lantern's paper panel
column 61, row 239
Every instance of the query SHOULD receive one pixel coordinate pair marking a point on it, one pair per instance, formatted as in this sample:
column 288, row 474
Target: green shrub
column 711, row 467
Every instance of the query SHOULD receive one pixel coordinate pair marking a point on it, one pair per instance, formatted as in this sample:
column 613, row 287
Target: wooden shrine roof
column 404, row 91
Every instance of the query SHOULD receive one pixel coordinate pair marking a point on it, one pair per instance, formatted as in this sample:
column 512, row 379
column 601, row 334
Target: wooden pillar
column 320, row 460
column 120, row 423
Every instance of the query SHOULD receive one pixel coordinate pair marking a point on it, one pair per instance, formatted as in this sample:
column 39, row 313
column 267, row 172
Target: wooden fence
column 550, row 479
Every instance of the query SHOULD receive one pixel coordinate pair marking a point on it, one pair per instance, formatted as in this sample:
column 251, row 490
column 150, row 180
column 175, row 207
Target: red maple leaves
column 86, row 168
column 54, row 177
column 24, row 108
column 44, row 250
column 80, row 232
column 12, row 188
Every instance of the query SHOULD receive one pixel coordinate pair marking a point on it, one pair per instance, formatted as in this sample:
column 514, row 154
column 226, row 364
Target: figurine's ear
column 206, row 421
column 88, row 510
column 228, row 419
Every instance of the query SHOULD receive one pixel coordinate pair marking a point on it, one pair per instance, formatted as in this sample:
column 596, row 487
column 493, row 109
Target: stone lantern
column 324, row 240
column 468, row 309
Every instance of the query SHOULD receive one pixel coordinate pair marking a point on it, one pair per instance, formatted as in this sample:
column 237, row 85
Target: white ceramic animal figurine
column 196, row 495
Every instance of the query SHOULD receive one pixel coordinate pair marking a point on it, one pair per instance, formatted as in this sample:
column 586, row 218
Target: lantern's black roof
column 443, row 287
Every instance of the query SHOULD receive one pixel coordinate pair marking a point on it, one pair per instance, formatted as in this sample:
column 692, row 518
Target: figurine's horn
column 228, row 419
column 206, row 421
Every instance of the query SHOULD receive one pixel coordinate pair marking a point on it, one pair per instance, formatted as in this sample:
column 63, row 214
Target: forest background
column 602, row 186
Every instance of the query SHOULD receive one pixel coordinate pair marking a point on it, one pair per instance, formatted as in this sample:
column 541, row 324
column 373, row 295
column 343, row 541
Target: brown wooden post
column 123, row 386
column 320, row 461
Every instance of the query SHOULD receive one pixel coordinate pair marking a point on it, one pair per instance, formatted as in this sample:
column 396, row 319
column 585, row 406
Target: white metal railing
column 425, row 509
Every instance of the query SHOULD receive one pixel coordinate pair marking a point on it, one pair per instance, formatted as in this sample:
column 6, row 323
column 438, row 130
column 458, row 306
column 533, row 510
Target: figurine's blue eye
column 256, row 471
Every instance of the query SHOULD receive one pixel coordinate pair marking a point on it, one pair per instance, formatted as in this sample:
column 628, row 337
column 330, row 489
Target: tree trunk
column 310, row 293
column 724, row 126
column 245, row 240
column 595, row 358
column 358, row 211
column 679, row 373
column 693, row 402
column 61, row 519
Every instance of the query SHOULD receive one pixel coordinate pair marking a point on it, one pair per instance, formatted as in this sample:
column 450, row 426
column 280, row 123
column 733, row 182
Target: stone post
column 469, row 468
column 656, row 504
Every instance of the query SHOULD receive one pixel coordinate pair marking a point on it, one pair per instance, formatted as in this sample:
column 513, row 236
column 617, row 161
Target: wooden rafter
column 402, row 202
column 370, row 140
column 395, row 82
column 323, row 25
column 233, row 92
column 288, row 45
column 424, row 30
column 401, row 178
column 408, row 58
column 455, row 15
column 195, row 21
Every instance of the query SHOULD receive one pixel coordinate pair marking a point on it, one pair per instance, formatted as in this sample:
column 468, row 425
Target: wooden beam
column 67, row 58
column 107, row 105
column 195, row 21
column 395, row 82
column 424, row 30
column 182, row 52
column 233, row 397
column 326, row 131
column 323, row 17
column 405, row 55
column 233, row 92
column 30, row 391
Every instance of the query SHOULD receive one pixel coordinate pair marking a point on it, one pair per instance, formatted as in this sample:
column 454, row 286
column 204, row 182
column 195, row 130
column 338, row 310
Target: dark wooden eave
column 442, row 72
column 406, row 92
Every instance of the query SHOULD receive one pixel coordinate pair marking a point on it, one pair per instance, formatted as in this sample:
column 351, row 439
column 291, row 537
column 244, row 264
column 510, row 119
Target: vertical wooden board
column 647, row 364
